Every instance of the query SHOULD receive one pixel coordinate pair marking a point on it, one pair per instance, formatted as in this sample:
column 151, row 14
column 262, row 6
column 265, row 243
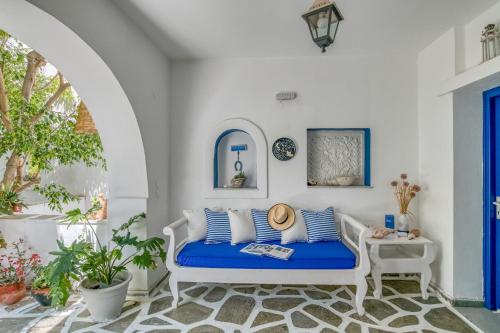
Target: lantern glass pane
column 333, row 29
column 312, row 27
column 311, row 21
column 323, row 22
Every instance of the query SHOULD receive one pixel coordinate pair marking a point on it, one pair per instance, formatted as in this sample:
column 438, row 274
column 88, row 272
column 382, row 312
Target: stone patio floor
column 210, row 308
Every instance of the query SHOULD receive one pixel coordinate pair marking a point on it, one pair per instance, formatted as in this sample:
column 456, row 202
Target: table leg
column 426, row 274
column 376, row 271
column 425, row 279
column 377, row 279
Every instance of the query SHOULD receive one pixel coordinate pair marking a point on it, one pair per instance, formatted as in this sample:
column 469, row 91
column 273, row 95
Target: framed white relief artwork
column 338, row 157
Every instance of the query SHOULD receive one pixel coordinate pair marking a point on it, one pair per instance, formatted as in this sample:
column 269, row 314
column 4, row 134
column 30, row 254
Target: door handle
column 496, row 203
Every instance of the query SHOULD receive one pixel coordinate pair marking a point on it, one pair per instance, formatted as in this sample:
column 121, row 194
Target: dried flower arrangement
column 404, row 192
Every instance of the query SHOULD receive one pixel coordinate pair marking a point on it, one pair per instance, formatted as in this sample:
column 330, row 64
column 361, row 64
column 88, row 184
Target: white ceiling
column 274, row 28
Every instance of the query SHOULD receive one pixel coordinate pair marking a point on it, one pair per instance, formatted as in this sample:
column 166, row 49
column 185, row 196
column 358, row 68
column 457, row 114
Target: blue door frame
column 490, row 225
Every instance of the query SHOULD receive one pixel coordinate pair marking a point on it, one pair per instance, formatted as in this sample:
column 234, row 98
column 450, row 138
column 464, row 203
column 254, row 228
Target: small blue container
column 389, row 221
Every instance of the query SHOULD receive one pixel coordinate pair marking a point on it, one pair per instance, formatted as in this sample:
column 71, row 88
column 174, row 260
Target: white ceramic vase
column 106, row 304
column 404, row 221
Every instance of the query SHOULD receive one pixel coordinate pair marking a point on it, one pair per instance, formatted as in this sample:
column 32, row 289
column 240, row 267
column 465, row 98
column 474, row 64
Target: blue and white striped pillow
column 264, row 232
column 218, row 227
column 320, row 225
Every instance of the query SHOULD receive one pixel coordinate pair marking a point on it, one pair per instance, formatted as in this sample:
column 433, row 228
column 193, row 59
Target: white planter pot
column 106, row 304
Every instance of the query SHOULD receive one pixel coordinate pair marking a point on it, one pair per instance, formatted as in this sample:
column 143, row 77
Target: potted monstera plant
column 101, row 270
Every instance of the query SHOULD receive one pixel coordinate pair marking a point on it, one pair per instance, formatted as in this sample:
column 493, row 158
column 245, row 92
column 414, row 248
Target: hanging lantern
column 84, row 122
column 323, row 20
column 490, row 38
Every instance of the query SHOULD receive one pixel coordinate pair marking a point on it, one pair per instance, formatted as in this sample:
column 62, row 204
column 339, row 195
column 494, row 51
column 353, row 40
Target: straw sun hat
column 281, row 216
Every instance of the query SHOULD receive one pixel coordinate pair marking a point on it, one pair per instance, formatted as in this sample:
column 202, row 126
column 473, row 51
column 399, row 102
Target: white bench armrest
column 172, row 230
column 360, row 245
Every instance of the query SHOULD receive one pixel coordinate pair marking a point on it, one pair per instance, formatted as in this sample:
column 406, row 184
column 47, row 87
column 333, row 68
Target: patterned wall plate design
column 284, row 149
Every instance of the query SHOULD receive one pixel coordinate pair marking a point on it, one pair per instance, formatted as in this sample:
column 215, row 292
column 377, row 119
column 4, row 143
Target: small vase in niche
column 238, row 180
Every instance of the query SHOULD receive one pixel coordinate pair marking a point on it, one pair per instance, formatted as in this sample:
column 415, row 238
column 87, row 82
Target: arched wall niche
column 110, row 107
column 225, row 165
column 258, row 184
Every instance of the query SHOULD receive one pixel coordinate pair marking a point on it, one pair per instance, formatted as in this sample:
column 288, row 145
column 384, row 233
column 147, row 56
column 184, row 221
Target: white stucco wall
column 435, row 122
column 468, row 208
column 379, row 93
column 142, row 70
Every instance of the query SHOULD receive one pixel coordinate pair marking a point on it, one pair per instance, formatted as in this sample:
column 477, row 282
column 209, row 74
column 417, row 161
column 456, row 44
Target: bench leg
column 174, row 289
column 361, row 289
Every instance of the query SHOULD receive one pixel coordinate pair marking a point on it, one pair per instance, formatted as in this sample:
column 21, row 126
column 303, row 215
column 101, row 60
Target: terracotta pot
column 42, row 296
column 12, row 293
column 17, row 208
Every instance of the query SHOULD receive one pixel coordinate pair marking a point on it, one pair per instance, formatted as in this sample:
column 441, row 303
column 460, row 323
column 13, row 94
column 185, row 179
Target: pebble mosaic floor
column 209, row 308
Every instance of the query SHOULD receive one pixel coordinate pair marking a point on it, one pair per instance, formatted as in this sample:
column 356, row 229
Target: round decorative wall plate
column 284, row 149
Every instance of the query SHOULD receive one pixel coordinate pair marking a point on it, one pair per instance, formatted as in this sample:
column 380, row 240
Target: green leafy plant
column 42, row 275
column 240, row 174
column 56, row 195
column 100, row 264
column 38, row 114
column 8, row 199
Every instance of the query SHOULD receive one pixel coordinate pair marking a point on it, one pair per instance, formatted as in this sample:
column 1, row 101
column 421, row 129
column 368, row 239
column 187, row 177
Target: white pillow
column 197, row 223
column 297, row 232
column 242, row 227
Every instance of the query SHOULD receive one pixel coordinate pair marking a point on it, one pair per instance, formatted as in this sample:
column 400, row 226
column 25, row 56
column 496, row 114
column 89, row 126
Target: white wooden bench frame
column 355, row 276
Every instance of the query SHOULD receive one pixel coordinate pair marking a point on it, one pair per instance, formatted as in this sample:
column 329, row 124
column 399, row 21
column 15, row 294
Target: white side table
column 406, row 264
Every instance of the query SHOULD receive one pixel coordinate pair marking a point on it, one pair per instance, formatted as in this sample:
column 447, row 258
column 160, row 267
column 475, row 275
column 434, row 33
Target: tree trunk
column 4, row 104
column 9, row 177
column 35, row 61
column 14, row 170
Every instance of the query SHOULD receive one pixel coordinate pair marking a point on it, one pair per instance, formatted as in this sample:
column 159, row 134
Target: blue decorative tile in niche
column 338, row 157
column 235, row 152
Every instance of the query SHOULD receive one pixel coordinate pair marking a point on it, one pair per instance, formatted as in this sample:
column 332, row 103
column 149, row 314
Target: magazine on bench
column 274, row 251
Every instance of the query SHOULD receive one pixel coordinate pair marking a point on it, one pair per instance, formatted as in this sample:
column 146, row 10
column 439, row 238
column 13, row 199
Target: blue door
column 492, row 198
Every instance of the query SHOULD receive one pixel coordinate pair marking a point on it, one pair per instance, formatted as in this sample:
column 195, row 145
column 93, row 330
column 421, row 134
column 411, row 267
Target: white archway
column 110, row 107
column 95, row 83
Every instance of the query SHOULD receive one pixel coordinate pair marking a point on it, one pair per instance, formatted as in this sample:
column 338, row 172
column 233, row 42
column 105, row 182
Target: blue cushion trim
column 264, row 232
column 320, row 225
column 322, row 255
column 218, row 228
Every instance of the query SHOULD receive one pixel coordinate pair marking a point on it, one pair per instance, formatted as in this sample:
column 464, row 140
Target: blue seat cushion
column 321, row 255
